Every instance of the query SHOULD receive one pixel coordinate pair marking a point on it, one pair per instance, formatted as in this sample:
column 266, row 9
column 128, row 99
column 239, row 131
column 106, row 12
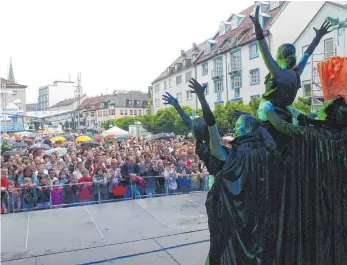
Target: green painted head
column 246, row 124
column 286, row 57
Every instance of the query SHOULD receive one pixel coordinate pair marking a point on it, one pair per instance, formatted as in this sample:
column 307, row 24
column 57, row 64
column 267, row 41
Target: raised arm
column 168, row 99
column 270, row 63
column 324, row 29
column 215, row 142
column 283, row 126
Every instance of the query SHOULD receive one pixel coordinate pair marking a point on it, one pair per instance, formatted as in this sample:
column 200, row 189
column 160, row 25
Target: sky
column 122, row 45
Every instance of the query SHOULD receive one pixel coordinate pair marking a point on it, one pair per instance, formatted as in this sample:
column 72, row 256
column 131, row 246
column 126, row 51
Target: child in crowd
column 28, row 194
column 43, row 194
column 62, row 178
column 70, row 190
column 85, row 187
column 184, row 181
column 171, row 177
column 11, row 200
column 57, row 193
column 100, row 185
column 196, row 178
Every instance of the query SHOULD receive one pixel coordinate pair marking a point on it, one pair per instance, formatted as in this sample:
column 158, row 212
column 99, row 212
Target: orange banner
column 333, row 77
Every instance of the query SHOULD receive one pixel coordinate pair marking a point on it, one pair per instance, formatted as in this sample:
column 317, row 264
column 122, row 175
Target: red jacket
column 85, row 189
column 4, row 182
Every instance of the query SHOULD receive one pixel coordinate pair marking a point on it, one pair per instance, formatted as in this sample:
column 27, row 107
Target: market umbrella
column 13, row 153
column 16, row 138
column 110, row 136
column 98, row 137
column 164, row 136
column 58, row 139
column 28, row 140
column 83, row 138
column 59, row 150
column 92, row 143
column 40, row 146
column 69, row 136
column 9, row 141
column 19, row 145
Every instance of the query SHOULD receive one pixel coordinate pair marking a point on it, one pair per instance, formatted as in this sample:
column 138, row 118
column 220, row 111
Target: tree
column 302, row 104
column 254, row 104
column 122, row 123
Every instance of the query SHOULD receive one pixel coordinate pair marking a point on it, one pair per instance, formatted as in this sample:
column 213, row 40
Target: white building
column 51, row 94
column 175, row 79
column 230, row 63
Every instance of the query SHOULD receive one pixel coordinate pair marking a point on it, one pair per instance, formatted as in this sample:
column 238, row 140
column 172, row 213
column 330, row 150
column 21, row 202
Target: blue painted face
column 240, row 128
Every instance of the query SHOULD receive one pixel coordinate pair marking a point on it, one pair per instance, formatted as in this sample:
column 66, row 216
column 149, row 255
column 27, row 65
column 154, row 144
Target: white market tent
column 118, row 132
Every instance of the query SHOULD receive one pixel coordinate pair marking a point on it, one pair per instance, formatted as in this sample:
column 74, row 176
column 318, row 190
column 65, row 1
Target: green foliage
column 225, row 118
column 122, row 123
column 303, row 105
column 254, row 104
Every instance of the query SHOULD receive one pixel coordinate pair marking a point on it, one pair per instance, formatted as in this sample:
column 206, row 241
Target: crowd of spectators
column 108, row 171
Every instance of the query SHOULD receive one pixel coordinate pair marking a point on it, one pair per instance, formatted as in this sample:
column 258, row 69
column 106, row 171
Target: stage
column 165, row 230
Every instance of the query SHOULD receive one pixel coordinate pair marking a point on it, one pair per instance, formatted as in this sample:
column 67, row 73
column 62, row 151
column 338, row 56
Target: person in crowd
column 171, row 177
column 28, row 194
column 85, row 187
column 70, row 190
column 43, row 194
column 100, row 185
column 52, row 176
column 57, row 193
column 11, row 200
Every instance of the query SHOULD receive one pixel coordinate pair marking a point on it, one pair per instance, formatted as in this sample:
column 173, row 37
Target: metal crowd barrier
column 77, row 194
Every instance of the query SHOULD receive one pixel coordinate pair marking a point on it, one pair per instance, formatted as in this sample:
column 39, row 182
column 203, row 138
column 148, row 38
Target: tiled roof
column 187, row 55
column 92, row 102
column 241, row 35
column 11, row 84
column 64, row 102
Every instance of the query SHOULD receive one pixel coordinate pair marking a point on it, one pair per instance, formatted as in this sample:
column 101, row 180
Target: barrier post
column 99, row 195
column 50, row 197
column 166, row 186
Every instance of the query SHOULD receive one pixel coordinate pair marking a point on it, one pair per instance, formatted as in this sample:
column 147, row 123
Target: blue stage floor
column 166, row 230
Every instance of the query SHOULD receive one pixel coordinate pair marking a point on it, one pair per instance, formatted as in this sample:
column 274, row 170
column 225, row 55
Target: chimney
column 194, row 46
column 182, row 52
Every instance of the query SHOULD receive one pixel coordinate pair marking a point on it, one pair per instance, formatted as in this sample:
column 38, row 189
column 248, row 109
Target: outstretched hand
column 197, row 87
column 255, row 20
column 324, row 29
column 168, row 99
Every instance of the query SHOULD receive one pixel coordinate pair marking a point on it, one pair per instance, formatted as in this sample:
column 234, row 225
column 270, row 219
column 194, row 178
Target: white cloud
column 115, row 44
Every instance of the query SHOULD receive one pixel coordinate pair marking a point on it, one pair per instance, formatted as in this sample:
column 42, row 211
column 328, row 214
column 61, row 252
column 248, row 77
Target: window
column 179, row 97
column 222, row 29
column 236, row 81
column 306, row 87
column 131, row 112
column 253, row 50
column 92, row 114
column 156, row 88
column 235, row 60
column 125, row 112
column 129, row 102
column 189, row 95
column 121, row 112
column 235, row 22
column 218, row 86
column 236, row 92
column 206, row 89
column 207, row 49
column 135, row 112
column 140, row 112
column 254, row 77
column 157, row 102
column 219, row 96
column 169, row 83
column 204, row 68
column 178, row 80
column 188, row 76
column 328, row 48
column 110, row 112
column 218, row 67
column 165, row 85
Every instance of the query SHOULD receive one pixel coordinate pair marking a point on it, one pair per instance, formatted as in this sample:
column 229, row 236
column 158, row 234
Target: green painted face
column 246, row 124
column 286, row 58
column 240, row 128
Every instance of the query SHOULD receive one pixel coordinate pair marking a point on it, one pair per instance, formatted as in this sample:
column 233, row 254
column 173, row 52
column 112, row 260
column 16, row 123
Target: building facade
column 13, row 103
column 230, row 63
column 174, row 80
column 52, row 94
column 97, row 110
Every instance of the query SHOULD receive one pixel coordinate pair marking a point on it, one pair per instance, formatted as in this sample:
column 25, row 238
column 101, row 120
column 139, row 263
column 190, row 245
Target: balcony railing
column 234, row 68
column 217, row 73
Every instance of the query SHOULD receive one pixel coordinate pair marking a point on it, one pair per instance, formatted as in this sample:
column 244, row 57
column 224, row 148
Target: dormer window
column 234, row 22
column 178, row 66
column 194, row 57
column 207, row 48
column 222, row 29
